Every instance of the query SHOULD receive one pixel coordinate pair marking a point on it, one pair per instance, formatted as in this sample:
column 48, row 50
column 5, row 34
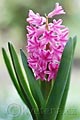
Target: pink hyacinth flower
column 57, row 11
column 35, row 19
column 45, row 44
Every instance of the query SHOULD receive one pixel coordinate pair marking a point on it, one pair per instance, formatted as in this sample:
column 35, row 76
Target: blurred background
column 13, row 15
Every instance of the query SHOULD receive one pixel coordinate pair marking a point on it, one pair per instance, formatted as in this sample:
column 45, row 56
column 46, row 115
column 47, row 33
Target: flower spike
column 45, row 43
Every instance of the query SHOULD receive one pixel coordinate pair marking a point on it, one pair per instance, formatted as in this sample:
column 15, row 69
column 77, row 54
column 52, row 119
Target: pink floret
column 35, row 19
column 57, row 11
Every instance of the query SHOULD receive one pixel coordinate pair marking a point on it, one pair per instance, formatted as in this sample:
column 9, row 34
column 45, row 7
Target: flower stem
column 47, row 23
column 46, row 88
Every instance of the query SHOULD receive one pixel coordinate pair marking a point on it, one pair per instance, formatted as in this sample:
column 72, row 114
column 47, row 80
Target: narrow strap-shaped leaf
column 63, row 101
column 74, row 43
column 15, row 81
column 60, row 82
column 11, row 73
column 34, row 86
column 21, row 77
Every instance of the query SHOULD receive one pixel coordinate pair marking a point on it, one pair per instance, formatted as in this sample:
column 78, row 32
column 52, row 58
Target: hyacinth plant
column 43, row 80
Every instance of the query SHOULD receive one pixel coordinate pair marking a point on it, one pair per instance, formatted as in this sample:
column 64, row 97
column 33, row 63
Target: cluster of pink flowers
column 45, row 43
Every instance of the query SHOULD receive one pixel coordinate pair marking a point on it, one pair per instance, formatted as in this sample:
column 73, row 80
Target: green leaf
column 15, row 81
column 11, row 73
column 60, row 83
column 34, row 86
column 63, row 101
column 21, row 78
column 74, row 43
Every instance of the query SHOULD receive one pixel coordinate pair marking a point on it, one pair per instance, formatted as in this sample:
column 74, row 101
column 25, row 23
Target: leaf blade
column 21, row 77
column 11, row 73
column 35, row 88
column 60, row 81
column 63, row 101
